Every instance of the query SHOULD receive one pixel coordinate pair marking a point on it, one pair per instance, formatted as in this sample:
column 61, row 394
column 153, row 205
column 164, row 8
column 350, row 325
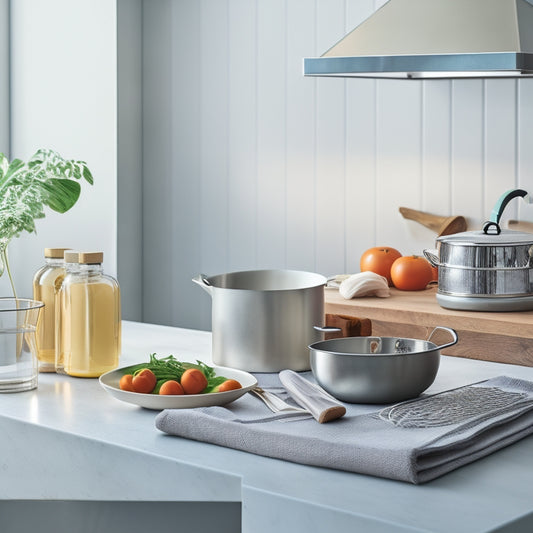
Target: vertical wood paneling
column 468, row 156
column 186, row 213
column 398, row 176
column 129, row 156
column 330, row 148
column 301, row 137
column 242, row 168
column 500, row 143
column 268, row 169
column 525, row 145
column 271, row 133
column 214, row 124
column 360, row 170
column 436, row 148
column 157, row 163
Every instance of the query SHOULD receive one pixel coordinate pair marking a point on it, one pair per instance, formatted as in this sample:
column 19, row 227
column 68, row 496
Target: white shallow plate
column 110, row 382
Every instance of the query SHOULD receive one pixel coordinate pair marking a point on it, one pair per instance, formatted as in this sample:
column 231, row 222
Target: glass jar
column 46, row 283
column 90, row 322
column 71, row 266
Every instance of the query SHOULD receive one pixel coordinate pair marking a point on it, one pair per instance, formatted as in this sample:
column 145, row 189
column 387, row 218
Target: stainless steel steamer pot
column 487, row 270
column 263, row 320
column 376, row 369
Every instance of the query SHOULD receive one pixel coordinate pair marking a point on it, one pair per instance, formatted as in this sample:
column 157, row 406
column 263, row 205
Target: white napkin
column 316, row 400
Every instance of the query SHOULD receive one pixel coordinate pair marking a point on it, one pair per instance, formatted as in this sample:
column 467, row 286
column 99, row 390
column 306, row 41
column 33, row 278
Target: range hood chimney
column 427, row 39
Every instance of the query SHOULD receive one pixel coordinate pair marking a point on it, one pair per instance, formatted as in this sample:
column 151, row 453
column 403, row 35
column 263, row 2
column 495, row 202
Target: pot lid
column 424, row 39
column 492, row 234
column 480, row 238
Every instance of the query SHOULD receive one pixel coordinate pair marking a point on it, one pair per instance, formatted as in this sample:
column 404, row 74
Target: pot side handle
column 202, row 280
column 451, row 331
column 432, row 256
column 327, row 329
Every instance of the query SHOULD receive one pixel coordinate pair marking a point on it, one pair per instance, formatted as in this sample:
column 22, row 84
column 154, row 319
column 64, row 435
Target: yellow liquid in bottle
column 45, row 290
column 90, row 327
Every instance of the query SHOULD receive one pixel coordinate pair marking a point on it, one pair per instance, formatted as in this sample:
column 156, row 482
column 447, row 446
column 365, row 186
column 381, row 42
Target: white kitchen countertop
column 71, row 429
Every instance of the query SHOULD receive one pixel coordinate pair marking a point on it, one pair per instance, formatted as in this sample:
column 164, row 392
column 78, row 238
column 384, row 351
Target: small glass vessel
column 18, row 347
column 46, row 283
column 90, row 320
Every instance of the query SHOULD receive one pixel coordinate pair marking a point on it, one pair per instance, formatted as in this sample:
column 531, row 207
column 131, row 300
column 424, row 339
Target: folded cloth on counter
column 414, row 441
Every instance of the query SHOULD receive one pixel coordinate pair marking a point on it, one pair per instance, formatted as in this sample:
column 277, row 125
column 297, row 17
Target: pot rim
column 432, row 347
column 479, row 238
column 314, row 280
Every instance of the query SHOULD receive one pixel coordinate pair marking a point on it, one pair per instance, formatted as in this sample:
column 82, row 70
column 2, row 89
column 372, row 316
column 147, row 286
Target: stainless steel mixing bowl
column 376, row 369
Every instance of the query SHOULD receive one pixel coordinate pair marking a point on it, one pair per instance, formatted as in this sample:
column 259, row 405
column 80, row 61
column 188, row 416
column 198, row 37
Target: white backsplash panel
column 247, row 164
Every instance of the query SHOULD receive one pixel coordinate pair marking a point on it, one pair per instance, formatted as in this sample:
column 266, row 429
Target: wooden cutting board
column 500, row 337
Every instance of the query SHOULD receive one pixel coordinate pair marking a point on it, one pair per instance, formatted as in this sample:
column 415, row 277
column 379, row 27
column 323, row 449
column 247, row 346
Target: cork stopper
column 90, row 258
column 54, row 253
column 71, row 256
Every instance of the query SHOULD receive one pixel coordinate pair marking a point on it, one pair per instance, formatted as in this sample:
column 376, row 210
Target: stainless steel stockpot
column 487, row 270
column 376, row 369
column 263, row 320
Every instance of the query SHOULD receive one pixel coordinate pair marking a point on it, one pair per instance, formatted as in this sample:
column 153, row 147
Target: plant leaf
column 87, row 173
column 62, row 193
column 4, row 165
column 11, row 170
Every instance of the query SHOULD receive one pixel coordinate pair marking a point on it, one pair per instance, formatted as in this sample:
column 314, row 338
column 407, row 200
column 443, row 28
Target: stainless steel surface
column 400, row 369
column 491, row 264
column 473, row 264
column 263, row 320
column 486, row 303
column 421, row 39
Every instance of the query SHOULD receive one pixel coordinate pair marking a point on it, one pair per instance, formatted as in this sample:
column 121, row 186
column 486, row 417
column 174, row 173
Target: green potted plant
column 27, row 188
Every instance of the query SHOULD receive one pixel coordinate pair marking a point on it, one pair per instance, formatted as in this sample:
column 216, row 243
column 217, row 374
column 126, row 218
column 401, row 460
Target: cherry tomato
column 144, row 381
column 171, row 387
column 411, row 273
column 126, row 382
column 379, row 260
column 229, row 384
column 193, row 381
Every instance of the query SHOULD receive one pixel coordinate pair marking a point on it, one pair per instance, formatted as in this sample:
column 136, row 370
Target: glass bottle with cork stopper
column 90, row 319
column 46, row 283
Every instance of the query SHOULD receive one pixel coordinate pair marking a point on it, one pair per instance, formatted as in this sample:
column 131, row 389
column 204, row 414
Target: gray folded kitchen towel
column 414, row 441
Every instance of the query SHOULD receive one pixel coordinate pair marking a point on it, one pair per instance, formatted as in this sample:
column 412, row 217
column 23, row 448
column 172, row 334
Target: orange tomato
column 411, row 273
column 193, row 381
column 144, row 381
column 171, row 387
column 125, row 382
column 229, row 384
column 379, row 260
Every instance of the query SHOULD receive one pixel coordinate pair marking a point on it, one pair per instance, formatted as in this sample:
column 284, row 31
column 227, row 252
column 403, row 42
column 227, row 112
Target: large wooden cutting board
column 500, row 337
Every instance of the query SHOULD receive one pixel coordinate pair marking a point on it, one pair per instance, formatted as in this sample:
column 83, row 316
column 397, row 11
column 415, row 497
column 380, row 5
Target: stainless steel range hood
column 425, row 39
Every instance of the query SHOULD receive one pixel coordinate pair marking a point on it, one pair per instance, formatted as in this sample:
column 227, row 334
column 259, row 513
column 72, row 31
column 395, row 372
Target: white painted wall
column 4, row 77
column 63, row 96
column 247, row 164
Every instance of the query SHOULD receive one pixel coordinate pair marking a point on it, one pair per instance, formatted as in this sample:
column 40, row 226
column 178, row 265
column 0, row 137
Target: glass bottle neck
column 84, row 269
column 54, row 261
column 92, row 269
